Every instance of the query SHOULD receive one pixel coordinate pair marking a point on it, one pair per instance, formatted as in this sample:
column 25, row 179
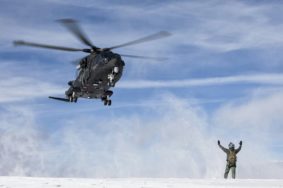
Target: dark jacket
column 231, row 155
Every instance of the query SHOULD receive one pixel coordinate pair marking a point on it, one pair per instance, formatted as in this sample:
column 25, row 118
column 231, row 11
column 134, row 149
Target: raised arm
column 240, row 147
column 221, row 147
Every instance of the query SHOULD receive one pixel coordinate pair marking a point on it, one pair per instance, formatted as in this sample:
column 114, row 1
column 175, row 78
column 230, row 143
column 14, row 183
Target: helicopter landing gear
column 73, row 98
column 107, row 102
column 106, row 99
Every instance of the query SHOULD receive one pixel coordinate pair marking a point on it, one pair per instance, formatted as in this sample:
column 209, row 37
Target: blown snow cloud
column 175, row 142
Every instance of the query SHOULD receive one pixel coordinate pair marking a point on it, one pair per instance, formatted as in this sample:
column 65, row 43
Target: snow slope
column 30, row 182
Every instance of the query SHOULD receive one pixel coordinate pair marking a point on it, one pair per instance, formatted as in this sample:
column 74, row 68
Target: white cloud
column 22, row 88
column 262, row 110
column 269, row 79
column 217, row 25
column 17, row 84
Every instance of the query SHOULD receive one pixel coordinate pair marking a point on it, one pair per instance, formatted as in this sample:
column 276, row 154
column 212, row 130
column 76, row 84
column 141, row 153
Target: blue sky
column 223, row 80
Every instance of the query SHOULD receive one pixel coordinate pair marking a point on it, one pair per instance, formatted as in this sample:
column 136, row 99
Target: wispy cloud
column 21, row 83
column 212, row 26
column 22, row 88
column 216, row 25
column 268, row 79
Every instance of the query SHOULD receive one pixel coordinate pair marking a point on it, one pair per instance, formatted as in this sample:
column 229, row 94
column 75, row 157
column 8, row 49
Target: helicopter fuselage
column 98, row 72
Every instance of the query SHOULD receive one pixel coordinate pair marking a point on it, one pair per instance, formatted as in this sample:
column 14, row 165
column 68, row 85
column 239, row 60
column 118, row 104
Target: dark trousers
column 233, row 169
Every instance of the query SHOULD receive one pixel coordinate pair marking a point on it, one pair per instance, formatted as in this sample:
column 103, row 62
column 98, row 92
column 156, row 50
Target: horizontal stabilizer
column 59, row 99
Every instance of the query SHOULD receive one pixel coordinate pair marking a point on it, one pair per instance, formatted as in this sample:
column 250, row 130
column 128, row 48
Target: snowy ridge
column 31, row 182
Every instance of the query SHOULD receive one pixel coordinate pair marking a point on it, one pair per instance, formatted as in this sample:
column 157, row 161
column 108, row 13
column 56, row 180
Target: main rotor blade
column 159, row 35
column 145, row 57
column 72, row 25
column 24, row 43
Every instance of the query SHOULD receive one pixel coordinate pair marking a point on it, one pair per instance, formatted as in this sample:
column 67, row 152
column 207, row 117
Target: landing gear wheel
column 105, row 102
column 106, row 98
column 75, row 99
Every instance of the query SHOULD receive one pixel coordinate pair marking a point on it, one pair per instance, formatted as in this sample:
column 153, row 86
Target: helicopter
column 100, row 70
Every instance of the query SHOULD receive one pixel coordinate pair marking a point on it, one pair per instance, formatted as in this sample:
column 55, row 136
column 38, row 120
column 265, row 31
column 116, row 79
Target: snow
column 34, row 182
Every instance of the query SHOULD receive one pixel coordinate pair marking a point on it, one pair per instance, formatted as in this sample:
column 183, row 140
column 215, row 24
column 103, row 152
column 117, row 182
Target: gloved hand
column 241, row 143
column 218, row 142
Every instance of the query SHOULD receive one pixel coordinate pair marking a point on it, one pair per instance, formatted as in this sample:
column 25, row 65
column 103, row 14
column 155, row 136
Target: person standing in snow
column 231, row 158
